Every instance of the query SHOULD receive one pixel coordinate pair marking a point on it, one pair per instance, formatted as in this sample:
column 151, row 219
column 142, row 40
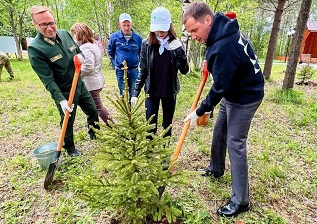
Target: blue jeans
column 132, row 76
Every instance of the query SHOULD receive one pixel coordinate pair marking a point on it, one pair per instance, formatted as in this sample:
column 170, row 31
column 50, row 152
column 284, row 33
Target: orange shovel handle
column 70, row 102
column 194, row 105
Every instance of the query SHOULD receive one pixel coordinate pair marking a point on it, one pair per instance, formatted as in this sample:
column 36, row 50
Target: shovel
column 187, row 124
column 52, row 167
column 194, row 105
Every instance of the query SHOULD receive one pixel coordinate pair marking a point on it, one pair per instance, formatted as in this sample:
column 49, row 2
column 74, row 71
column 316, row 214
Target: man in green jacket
column 51, row 55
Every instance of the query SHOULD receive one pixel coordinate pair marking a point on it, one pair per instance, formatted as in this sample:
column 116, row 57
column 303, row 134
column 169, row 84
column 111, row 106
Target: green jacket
column 53, row 62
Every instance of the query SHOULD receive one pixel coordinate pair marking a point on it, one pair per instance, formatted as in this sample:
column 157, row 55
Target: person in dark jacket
column 162, row 56
column 238, row 86
column 125, row 45
column 51, row 55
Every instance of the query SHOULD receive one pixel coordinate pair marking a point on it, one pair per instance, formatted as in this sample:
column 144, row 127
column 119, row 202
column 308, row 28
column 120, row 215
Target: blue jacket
column 233, row 64
column 119, row 49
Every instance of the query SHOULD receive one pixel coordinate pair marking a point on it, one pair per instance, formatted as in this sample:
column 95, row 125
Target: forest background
column 282, row 138
column 255, row 17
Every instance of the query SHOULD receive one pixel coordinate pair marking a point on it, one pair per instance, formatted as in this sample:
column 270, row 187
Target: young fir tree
column 131, row 167
column 306, row 72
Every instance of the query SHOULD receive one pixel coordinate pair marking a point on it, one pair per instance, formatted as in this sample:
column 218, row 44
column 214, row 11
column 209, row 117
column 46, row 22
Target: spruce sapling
column 129, row 167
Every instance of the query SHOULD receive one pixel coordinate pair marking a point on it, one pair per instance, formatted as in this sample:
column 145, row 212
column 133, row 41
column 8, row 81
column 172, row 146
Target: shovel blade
column 49, row 175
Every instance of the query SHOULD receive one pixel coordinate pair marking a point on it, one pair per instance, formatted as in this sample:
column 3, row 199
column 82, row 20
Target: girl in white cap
column 162, row 56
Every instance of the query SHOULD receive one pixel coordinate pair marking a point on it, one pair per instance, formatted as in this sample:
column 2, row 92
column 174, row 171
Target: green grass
column 281, row 150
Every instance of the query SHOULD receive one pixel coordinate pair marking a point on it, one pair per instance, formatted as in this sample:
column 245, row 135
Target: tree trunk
column 273, row 39
column 57, row 14
column 109, row 11
column 96, row 16
column 295, row 46
column 14, row 33
column 185, row 37
column 216, row 5
column 20, row 56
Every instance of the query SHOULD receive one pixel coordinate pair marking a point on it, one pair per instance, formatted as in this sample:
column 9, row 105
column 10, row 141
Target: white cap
column 124, row 16
column 160, row 19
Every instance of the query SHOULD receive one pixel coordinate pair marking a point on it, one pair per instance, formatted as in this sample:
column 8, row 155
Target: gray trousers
column 231, row 131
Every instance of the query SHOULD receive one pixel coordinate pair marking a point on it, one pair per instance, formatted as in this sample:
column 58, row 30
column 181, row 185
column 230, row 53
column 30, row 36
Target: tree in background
column 185, row 36
column 102, row 16
column 295, row 46
column 305, row 73
column 14, row 13
column 273, row 38
column 279, row 9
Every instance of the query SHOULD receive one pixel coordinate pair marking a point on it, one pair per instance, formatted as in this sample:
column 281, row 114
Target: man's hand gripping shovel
column 52, row 167
column 187, row 124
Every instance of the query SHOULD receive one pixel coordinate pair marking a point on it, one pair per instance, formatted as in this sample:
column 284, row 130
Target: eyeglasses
column 45, row 25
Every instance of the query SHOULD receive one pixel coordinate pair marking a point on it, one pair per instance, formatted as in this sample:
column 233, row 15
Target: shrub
column 305, row 73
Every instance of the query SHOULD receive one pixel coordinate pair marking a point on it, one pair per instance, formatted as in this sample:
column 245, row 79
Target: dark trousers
column 83, row 99
column 231, row 131
column 102, row 111
column 168, row 106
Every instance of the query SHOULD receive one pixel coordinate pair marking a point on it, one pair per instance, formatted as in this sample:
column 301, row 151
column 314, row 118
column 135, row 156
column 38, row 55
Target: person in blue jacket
column 125, row 44
column 238, row 86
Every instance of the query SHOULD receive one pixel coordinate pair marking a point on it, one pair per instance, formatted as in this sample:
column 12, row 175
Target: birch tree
column 185, row 36
column 15, row 12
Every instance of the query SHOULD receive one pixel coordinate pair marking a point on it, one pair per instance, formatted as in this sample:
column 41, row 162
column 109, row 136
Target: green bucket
column 46, row 154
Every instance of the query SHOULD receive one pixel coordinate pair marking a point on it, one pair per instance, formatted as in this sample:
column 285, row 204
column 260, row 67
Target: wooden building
column 308, row 49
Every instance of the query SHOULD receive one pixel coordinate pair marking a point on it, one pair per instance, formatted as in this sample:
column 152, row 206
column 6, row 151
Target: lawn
column 281, row 150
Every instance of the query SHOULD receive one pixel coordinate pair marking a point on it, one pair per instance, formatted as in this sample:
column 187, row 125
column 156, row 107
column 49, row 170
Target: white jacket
column 91, row 69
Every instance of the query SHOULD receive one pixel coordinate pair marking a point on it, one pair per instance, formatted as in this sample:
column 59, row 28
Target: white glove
column 81, row 58
column 65, row 106
column 134, row 100
column 192, row 116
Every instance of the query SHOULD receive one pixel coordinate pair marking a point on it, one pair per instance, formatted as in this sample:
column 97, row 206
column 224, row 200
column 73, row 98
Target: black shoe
column 231, row 209
column 209, row 173
column 73, row 152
